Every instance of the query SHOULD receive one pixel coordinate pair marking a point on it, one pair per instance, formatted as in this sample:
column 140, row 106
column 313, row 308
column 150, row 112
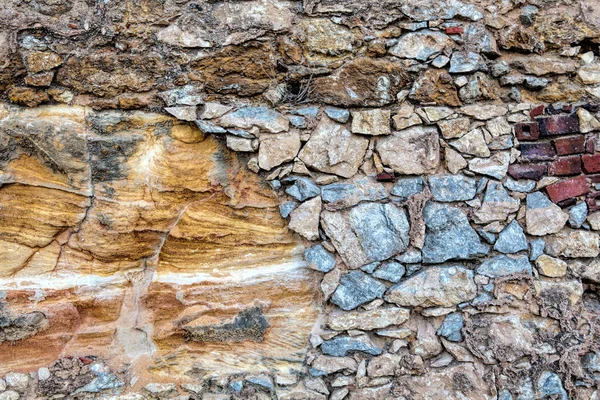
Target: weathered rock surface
column 412, row 151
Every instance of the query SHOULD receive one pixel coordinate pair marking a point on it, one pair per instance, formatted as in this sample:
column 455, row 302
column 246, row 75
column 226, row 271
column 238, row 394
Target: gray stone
column 413, row 151
column 9, row 395
column 448, row 188
column 497, row 204
column 591, row 362
column 549, row 386
column 17, row 381
column 578, row 215
column 542, row 216
column 434, row 287
column 337, row 196
column 500, row 266
column 212, row 110
column 241, row 145
column 333, row 149
column 466, row 61
column 186, row 96
column 500, row 68
column 521, row 186
column 297, row 121
column 356, row 288
column 535, row 83
column 421, row 45
column 184, row 113
column 338, row 115
column 237, row 385
column 440, row 61
column 537, row 248
column 390, row 271
column 309, row 112
column 303, row 189
column 495, row 166
column 262, row 117
column 320, row 259
column 368, row 232
column 241, row 133
column 481, row 299
column 209, row 127
column 341, row 346
column 405, row 187
column 411, row 256
column 512, row 239
column 262, row 381
column 286, row 208
column 451, row 327
column 369, row 268
column 449, row 235
column 440, row 9
column 489, row 237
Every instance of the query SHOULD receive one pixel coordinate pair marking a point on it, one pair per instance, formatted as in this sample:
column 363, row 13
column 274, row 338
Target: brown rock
column 38, row 61
column 435, row 86
column 44, row 79
column 27, row 96
column 518, row 37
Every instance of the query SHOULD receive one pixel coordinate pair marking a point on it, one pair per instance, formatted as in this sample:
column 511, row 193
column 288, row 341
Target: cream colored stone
column 550, row 266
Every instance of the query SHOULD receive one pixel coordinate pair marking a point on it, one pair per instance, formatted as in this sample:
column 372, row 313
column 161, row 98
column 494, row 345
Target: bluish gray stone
column 286, row 208
column 489, row 237
column 591, row 362
column 297, row 121
column 538, row 200
column 537, row 248
column 536, row 83
column 356, row 288
column 466, row 61
column 337, row 196
column 341, row 346
column 512, row 239
column 405, row 187
column 482, row 299
column 104, row 380
column 578, row 214
column 241, row 133
column 262, row 381
column 499, row 266
column 337, row 114
column 449, row 236
column 449, row 188
column 209, row 127
column 410, row 256
column 303, row 189
column 391, row 271
column 521, row 186
column 263, row 117
column 440, row 61
column 369, row 268
column 500, row 68
column 237, row 386
column 481, row 184
column 488, row 288
column 320, row 259
column 505, row 395
column 412, row 269
column 451, row 327
column 550, row 385
column 310, row 112
column 275, row 184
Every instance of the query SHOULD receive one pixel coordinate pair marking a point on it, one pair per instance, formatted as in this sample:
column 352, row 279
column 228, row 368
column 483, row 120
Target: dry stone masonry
column 300, row 200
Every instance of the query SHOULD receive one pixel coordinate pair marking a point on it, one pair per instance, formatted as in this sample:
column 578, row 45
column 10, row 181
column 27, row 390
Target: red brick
column 570, row 145
column 540, row 151
column 527, row 131
column 591, row 163
column 558, row 125
column 455, row 30
column 570, row 165
column 536, row 111
column 592, row 204
column 527, row 171
column 568, row 188
column 594, row 178
column 590, row 144
column 386, row 177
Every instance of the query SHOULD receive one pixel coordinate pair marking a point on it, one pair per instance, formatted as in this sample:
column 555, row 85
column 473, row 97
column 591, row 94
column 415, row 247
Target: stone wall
column 273, row 199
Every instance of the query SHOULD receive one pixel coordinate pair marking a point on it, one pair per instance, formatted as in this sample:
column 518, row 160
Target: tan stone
column 550, row 266
column 411, row 151
column 371, row 122
column 435, row 86
column 305, row 219
column 276, row 149
column 454, row 128
column 594, row 220
column 367, row 320
column 454, row 161
column 573, row 244
column 38, row 61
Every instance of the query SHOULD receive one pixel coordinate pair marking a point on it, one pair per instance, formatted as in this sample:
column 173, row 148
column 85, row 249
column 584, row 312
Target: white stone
column 371, row 122
column 276, row 149
column 305, row 219
column 413, row 151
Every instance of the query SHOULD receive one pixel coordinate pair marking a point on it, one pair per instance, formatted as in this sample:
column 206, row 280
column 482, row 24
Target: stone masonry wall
column 300, row 200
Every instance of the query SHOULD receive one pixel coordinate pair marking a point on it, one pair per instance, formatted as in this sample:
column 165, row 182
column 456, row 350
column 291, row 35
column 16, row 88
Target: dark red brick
column 386, row 177
column 527, row 171
column 570, row 165
column 590, row 144
column 455, row 30
column 568, row 188
column 570, row 145
column 553, row 110
column 591, row 163
column 568, row 202
column 594, row 178
column 540, row 151
column 592, row 204
column 527, row 131
column 558, row 125
column 536, row 111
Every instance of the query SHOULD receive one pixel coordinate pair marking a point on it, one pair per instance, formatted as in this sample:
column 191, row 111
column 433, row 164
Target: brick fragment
column 386, row 177
column 564, row 166
column 568, row 189
column 592, row 202
column 590, row 144
column 591, row 163
column 527, row 171
column 570, row 145
column 540, row 151
column 568, row 202
column 553, row 110
column 455, row 30
column 536, row 111
column 527, row 131
column 558, row 125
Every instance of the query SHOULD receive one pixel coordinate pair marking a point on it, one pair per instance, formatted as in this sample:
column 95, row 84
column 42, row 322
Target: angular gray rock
column 512, row 239
column 448, row 188
column 466, row 61
column 497, row 204
column 262, row 117
column 356, row 288
column 449, row 236
column 421, row 45
column 451, row 327
column 337, row 114
column 303, row 189
column 504, row 265
column 578, row 215
column 405, row 187
column 341, row 346
column 320, row 259
column 368, row 232
column 337, row 196
column 391, row 271
column 434, row 287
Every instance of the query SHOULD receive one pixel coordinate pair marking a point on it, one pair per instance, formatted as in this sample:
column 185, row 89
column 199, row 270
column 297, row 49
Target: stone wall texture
column 300, row 200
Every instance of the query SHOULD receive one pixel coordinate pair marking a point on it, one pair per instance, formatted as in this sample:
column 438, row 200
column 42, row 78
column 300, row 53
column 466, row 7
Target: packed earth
column 300, row 200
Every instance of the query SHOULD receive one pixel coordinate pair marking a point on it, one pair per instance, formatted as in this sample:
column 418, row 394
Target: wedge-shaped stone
column 439, row 286
column 413, row 151
column 367, row 320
